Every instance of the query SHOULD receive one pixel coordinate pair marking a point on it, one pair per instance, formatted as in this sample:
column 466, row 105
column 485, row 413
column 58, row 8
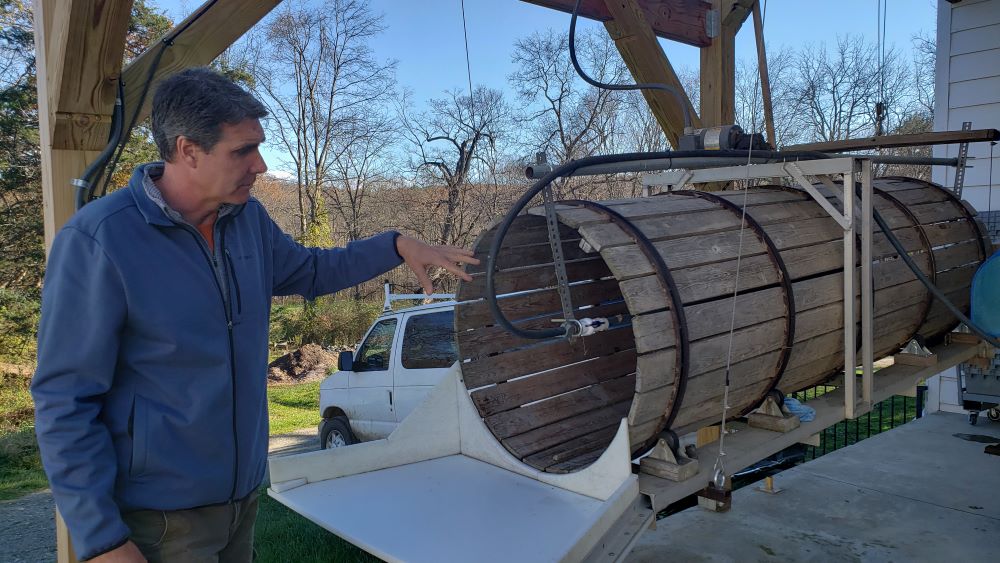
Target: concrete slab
column 916, row 493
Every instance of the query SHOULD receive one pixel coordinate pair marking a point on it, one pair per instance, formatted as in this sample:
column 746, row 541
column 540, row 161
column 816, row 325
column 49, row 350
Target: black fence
column 884, row 416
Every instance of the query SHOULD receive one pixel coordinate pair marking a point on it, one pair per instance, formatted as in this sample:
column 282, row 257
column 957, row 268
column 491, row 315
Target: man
column 150, row 393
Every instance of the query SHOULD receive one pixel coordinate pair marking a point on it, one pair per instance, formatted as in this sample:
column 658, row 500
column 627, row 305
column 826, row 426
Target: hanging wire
column 719, row 470
column 468, row 66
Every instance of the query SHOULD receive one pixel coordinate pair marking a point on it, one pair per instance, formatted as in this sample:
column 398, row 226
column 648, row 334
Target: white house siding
column 967, row 88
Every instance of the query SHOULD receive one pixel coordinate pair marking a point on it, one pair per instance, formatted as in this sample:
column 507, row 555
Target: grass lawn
column 282, row 535
column 20, row 467
column 291, row 407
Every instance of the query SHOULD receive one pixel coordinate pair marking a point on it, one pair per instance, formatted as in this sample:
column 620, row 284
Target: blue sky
column 425, row 36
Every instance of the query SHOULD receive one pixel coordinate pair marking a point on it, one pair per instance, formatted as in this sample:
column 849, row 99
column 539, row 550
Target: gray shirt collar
column 152, row 172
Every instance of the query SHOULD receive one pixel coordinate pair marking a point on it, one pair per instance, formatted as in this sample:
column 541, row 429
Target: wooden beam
column 765, row 80
column 718, row 72
column 911, row 140
column 204, row 38
column 648, row 63
column 678, row 20
column 88, row 59
column 738, row 14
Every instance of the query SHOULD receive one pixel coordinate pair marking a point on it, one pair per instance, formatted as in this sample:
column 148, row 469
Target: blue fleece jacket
column 150, row 391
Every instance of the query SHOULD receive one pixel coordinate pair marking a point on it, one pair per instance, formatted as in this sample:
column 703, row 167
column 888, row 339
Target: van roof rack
column 391, row 297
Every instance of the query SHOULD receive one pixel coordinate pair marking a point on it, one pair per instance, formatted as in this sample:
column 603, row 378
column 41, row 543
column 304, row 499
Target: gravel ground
column 27, row 524
column 28, row 529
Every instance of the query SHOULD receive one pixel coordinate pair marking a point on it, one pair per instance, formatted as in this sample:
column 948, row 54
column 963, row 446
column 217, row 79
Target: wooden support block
column 707, row 435
column 715, row 499
column 981, row 363
column 768, row 486
column 911, row 392
column 907, row 359
column 772, row 417
column 963, row 338
column 663, row 463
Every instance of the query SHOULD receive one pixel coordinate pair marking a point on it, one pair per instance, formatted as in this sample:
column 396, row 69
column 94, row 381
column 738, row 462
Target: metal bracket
column 806, row 185
column 555, row 243
column 963, row 157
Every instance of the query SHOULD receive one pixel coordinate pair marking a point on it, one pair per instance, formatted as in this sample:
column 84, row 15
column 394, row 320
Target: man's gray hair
column 194, row 103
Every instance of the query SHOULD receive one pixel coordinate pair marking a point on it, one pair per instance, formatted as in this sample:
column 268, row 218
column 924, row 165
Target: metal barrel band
column 984, row 254
column 927, row 244
column 666, row 280
column 786, row 286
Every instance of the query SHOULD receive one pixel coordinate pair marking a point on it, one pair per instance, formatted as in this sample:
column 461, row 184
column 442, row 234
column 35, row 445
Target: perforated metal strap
column 555, row 243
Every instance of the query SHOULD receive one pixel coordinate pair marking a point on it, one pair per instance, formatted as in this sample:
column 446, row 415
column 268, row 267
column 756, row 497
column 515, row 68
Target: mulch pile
column 309, row 363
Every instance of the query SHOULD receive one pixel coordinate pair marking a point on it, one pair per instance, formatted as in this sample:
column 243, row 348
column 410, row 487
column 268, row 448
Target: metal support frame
column 856, row 222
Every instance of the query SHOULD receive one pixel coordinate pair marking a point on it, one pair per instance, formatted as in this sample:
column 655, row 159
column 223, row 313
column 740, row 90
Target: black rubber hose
column 924, row 279
column 84, row 191
column 569, row 167
column 685, row 110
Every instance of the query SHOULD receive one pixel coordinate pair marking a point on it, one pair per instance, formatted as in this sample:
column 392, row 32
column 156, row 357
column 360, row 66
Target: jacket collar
column 150, row 201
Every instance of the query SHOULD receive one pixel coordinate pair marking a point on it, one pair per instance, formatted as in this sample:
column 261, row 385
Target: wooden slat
column 490, row 340
column 512, row 394
column 535, row 277
column 654, row 331
column 518, row 421
column 477, row 313
column 919, row 195
column 961, row 254
column 576, row 463
column 526, row 229
column 664, row 227
column 650, row 405
column 628, row 262
column 494, row 369
column 527, row 254
column 597, row 441
column 559, row 432
column 937, row 212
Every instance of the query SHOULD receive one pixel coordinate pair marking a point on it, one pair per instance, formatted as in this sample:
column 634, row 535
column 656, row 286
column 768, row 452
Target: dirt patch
column 309, row 363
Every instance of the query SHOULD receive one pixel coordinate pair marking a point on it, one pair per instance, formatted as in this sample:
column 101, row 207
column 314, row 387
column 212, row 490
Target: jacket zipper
column 213, row 264
column 236, row 283
column 232, row 364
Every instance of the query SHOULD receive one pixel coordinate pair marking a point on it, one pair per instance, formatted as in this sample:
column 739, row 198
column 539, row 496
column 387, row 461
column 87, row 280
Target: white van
column 404, row 355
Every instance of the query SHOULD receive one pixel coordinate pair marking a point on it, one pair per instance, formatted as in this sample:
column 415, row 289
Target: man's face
column 227, row 172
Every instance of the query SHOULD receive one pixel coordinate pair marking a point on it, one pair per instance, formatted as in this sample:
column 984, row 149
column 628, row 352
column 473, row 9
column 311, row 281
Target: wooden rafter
column 648, row 63
column 204, row 39
column 678, row 20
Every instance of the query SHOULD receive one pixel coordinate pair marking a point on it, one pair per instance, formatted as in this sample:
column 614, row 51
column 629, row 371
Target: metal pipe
column 536, row 171
column 918, row 160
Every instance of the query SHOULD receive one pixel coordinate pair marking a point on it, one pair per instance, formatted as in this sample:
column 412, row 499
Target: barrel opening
column 555, row 404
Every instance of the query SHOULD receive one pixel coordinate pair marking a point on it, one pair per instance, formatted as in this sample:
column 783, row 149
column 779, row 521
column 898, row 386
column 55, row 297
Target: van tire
column 336, row 433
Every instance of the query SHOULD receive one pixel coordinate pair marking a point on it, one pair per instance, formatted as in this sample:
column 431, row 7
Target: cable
column 468, row 65
column 84, row 184
column 98, row 165
column 685, row 110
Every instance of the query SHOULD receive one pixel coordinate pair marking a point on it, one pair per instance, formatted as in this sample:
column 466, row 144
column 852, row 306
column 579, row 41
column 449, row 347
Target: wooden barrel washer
column 664, row 271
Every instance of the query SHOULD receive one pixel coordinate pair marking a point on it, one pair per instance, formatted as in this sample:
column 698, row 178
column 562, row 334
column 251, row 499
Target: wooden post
column 648, row 63
column 765, row 81
column 718, row 70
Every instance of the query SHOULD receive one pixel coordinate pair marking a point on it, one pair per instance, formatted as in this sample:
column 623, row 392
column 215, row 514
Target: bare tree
column 839, row 91
column 562, row 115
column 316, row 72
column 785, row 94
column 450, row 142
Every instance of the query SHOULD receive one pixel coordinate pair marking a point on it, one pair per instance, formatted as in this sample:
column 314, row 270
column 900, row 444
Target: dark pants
column 220, row 533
